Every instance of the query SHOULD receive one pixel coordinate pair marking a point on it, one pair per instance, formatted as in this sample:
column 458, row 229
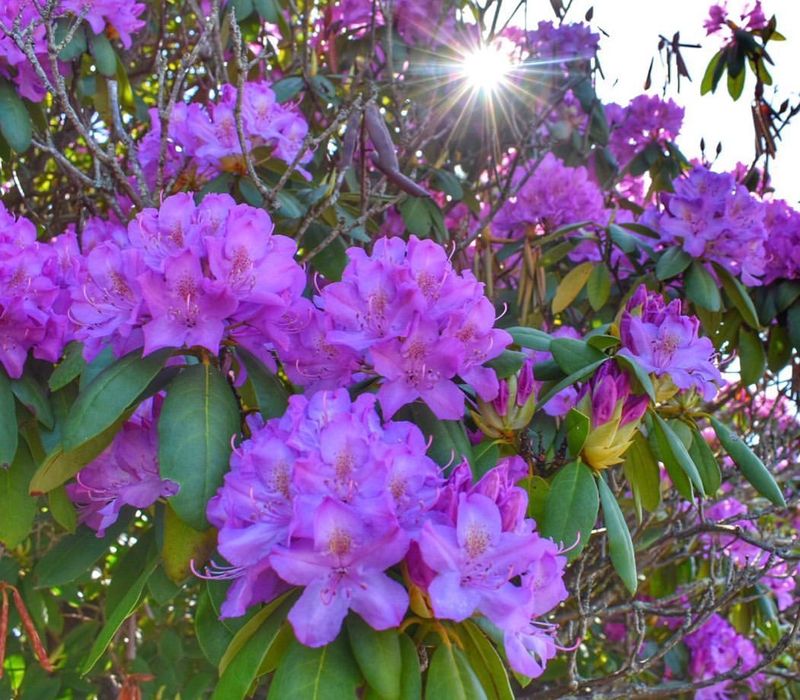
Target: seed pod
column 30, row 630
column 403, row 182
column 381, row 138
column 350, row 141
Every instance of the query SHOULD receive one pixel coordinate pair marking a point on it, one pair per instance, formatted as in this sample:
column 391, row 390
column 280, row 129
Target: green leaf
column 131, row 560
column 569, row 381
column 538, row 490
column 118, row 615
column 378, row 656
column 8, row 423
column 573, row 355
column 750, row 465
column 642, row 377
column 737, row 293
column 62, row 509
column 212, row 636
column 105, row 58
column 571, row 285
column 242, row 8
column 598, row 288
column 411, row 678
column 268, row 10
column 701, row 287
column 451, row 676
column 15, row 124
column 109, row 395
column 572, row 506
column 60, row 464
column 779, row 348
column 240, row 664
column 641, row 471
column 270, row 393
column 76, row 45
column 416, row 216
column 448, row 183
column 182, row 545
column 706, row 462
column 713, row 72
column 74, row 555
column 674, row 261
column 752, row 358
column 507, row 363
column 578, row 425
column 736, row 84
column 486, row 662
column 674, row 453
column 287, row 88
column 198, row 419
column 333, row 259
column 69, row 368
column 19, row 509
column 620, row 545
column 324, row 673
column 449, row 441
column 32, row 395
column 531, row 338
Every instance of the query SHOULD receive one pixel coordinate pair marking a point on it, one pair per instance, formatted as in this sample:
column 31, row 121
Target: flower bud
column 512, row 409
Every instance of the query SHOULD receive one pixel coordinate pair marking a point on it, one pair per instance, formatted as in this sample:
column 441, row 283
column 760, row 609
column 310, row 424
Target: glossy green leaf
column 8, row 423
column 109, row 395
column 105, row 58
column 32, row 395
column 578, row 426
column 571, row 285
column 183, row 545
column 449, row 441
column 620, row 545
column 674, row 453
column 706, row 462
column 739, row 296
column 324, row 673
column 62, row 509
column 701, row 287
column 779, row 348
column 641, row 471
column 538, row 490
column 212, row 637
column 673, row 261
column 642, row 377
column 572, row 506
column 199, row 418
column 486, row 662
column 750, row 465
column 451, row 676
column 15, row 123
column 378, row 656
column 411, row 677
column 416, row 216
column 270, row 393
column 507, row 363
column 713, row 72
column 569, row 380
column 573, row 355
column 287, row 88
column 114, row 619
column 752, row 358
column 19, row 509
column 598, row 287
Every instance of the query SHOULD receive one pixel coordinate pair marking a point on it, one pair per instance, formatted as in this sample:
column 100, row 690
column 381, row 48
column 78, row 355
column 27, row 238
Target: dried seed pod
column 381, row 138
column 403, row 182
column 30, row 630
column 350, row 141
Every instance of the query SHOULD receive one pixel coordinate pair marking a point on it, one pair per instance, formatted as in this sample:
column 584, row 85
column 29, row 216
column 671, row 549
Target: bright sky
column 633, row 27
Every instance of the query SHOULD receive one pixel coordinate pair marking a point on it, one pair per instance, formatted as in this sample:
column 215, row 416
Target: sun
column 486, row 69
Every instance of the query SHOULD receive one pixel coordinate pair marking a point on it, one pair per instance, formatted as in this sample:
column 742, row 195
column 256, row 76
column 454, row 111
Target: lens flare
column 486, row 69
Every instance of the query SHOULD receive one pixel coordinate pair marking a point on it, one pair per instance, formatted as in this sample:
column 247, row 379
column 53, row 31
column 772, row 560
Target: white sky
column 634, row 26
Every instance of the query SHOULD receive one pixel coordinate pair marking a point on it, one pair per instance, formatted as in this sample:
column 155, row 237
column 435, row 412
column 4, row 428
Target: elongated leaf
column 69, row 368
column 8, row 423
column 752, row 358
column 572, row 506
column 751, row 466
column 706, row 463
column 411, row 678
column 712, row 74
column 32, row 395
column 507, row 363
column 325, row 673
column 118, row 615
column 531, row 338
column 451, row 676
column 701, row 287
column 598, row 287
column 19, row 509
column 674, row 452
column 131, row 561
column 570, row 286
column 182, row 545
column 15, row 122
column 62, row 509
column 378, row 656
column 101, row 403
column 620, row 545
column 569, row 381
column 249, row 647
column 198, row 419
column 486, row 662
column 270, row 392
column 578, row 425
column 105, row 57
column 641, row 471
column 212, row 636
column 572, row 354
column 642, row 377
column 449, row 441
column 737, row 293
column 674, row 261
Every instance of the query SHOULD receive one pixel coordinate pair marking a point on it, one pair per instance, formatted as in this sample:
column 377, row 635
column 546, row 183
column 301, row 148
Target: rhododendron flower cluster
column 782, row 223
column 751, row 17
column 328, row 498
column 716, row 648
column 552, row 196
column 125, row 474
column 35, row 278
column 417, row 23
column 716, row 220
column 202, row 142
column 666, row 343
column 119, row 18
column 190, row 275
column 566, row 42
column 404, row 314
column 644, row 120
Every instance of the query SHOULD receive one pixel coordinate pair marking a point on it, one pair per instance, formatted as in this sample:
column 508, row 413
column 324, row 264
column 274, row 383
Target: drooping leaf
column 706, row 463
column 673, row 261
column 32, row 395
column 270, row 392
column 486, row 662
column 8, row 423
column 642, row 377
column 378, row 656
column 751, row 466
column 620, row 545
column 15, row 123
column 573, row 355
column 199, row 418
column 674, row 453
column 641, row 471
column 105, row 58
column 19, row 509
column 571, row 285
column 569, row 380
column 572, row 506
column 701, row 287
column 451, row 676
column 411, row 677
column 598, row 287
column 752, row 358
column 578, row 426
column 183, row 545
column 737, row 293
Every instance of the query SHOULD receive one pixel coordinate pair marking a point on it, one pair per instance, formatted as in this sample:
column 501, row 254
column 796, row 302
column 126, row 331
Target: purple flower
column 646, row 119
column 125, row 474
column 119, row 18
column 782, row 223
column 342, row 569
column 666, row 343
